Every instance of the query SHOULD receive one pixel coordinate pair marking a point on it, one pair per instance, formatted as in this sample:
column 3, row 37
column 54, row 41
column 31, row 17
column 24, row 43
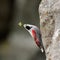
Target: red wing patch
column 35, row 38
column 34, row 33
column 38, row 43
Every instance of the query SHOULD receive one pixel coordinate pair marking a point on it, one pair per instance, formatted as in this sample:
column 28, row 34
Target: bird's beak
column 25, row 26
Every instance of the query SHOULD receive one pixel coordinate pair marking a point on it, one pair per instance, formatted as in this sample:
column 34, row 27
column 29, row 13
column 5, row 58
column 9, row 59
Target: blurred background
column 15, row 42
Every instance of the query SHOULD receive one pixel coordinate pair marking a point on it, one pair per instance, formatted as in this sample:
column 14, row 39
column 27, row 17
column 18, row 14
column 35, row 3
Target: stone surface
column 49, row 13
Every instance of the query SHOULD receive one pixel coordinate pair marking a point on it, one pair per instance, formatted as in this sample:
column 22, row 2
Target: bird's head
column 32, row 29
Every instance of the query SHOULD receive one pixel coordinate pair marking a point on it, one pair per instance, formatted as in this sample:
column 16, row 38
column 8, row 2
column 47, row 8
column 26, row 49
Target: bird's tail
column 42, row 49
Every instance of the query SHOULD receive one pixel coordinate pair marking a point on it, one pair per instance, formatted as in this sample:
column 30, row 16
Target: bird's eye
column 28, row 27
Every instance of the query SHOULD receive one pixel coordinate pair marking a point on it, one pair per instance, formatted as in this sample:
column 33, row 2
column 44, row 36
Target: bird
column 36, row 35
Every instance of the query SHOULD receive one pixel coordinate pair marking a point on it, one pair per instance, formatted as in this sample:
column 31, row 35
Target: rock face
column 49, row 13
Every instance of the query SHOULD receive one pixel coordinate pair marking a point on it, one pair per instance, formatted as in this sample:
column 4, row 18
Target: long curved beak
column 24, row 25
